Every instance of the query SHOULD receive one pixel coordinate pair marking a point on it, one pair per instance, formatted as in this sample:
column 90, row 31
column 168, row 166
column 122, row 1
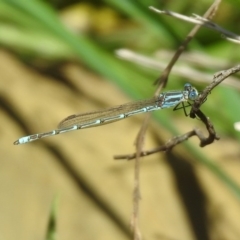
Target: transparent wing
column 83, row 118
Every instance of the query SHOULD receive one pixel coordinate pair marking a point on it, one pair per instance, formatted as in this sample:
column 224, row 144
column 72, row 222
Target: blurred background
column 58, row 58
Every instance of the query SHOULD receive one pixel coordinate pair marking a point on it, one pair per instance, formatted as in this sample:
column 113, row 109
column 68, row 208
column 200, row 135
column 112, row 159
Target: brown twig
column 136, row 194
column 136, row 191
column 217, row 79
column 209, row 14
column 203, row 22
column 166, row 147
column 179, row 139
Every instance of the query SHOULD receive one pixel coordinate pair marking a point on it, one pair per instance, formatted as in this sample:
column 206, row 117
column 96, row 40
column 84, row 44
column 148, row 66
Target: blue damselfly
column 98, row 118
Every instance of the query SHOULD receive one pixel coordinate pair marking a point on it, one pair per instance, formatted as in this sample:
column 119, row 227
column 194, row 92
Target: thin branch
column 203, row 21
column 136, row 190
column 195, row 112
column 136, row 195
column 209, row 14
column 217, row 79
column 179, row 139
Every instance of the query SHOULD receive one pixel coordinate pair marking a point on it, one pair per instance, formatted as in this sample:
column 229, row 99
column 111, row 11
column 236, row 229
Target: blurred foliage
column 51, row 233
column 47, row 32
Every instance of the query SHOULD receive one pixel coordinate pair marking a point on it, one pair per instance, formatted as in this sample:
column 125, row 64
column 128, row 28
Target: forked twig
column 217, row 79
column 209, row 14
column 203, row 21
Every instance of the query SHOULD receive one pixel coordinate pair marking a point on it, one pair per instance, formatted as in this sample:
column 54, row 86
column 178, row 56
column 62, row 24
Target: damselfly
column 98, row 118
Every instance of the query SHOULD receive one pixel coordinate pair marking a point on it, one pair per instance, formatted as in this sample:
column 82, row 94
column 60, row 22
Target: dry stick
column 203, row 22
column 217, row 79
column 140, row 139
column 177, row 140
column 209, row 14
column 195, row 111
column 137, row 194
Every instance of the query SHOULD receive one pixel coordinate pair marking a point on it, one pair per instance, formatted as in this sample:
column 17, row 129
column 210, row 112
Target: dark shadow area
column 191, row 194
column 9, row 109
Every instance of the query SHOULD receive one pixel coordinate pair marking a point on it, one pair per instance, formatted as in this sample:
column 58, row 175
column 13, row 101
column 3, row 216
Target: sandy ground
column 181, row 199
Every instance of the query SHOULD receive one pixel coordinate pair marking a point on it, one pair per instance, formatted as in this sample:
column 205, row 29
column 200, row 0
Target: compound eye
column 193, row 95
